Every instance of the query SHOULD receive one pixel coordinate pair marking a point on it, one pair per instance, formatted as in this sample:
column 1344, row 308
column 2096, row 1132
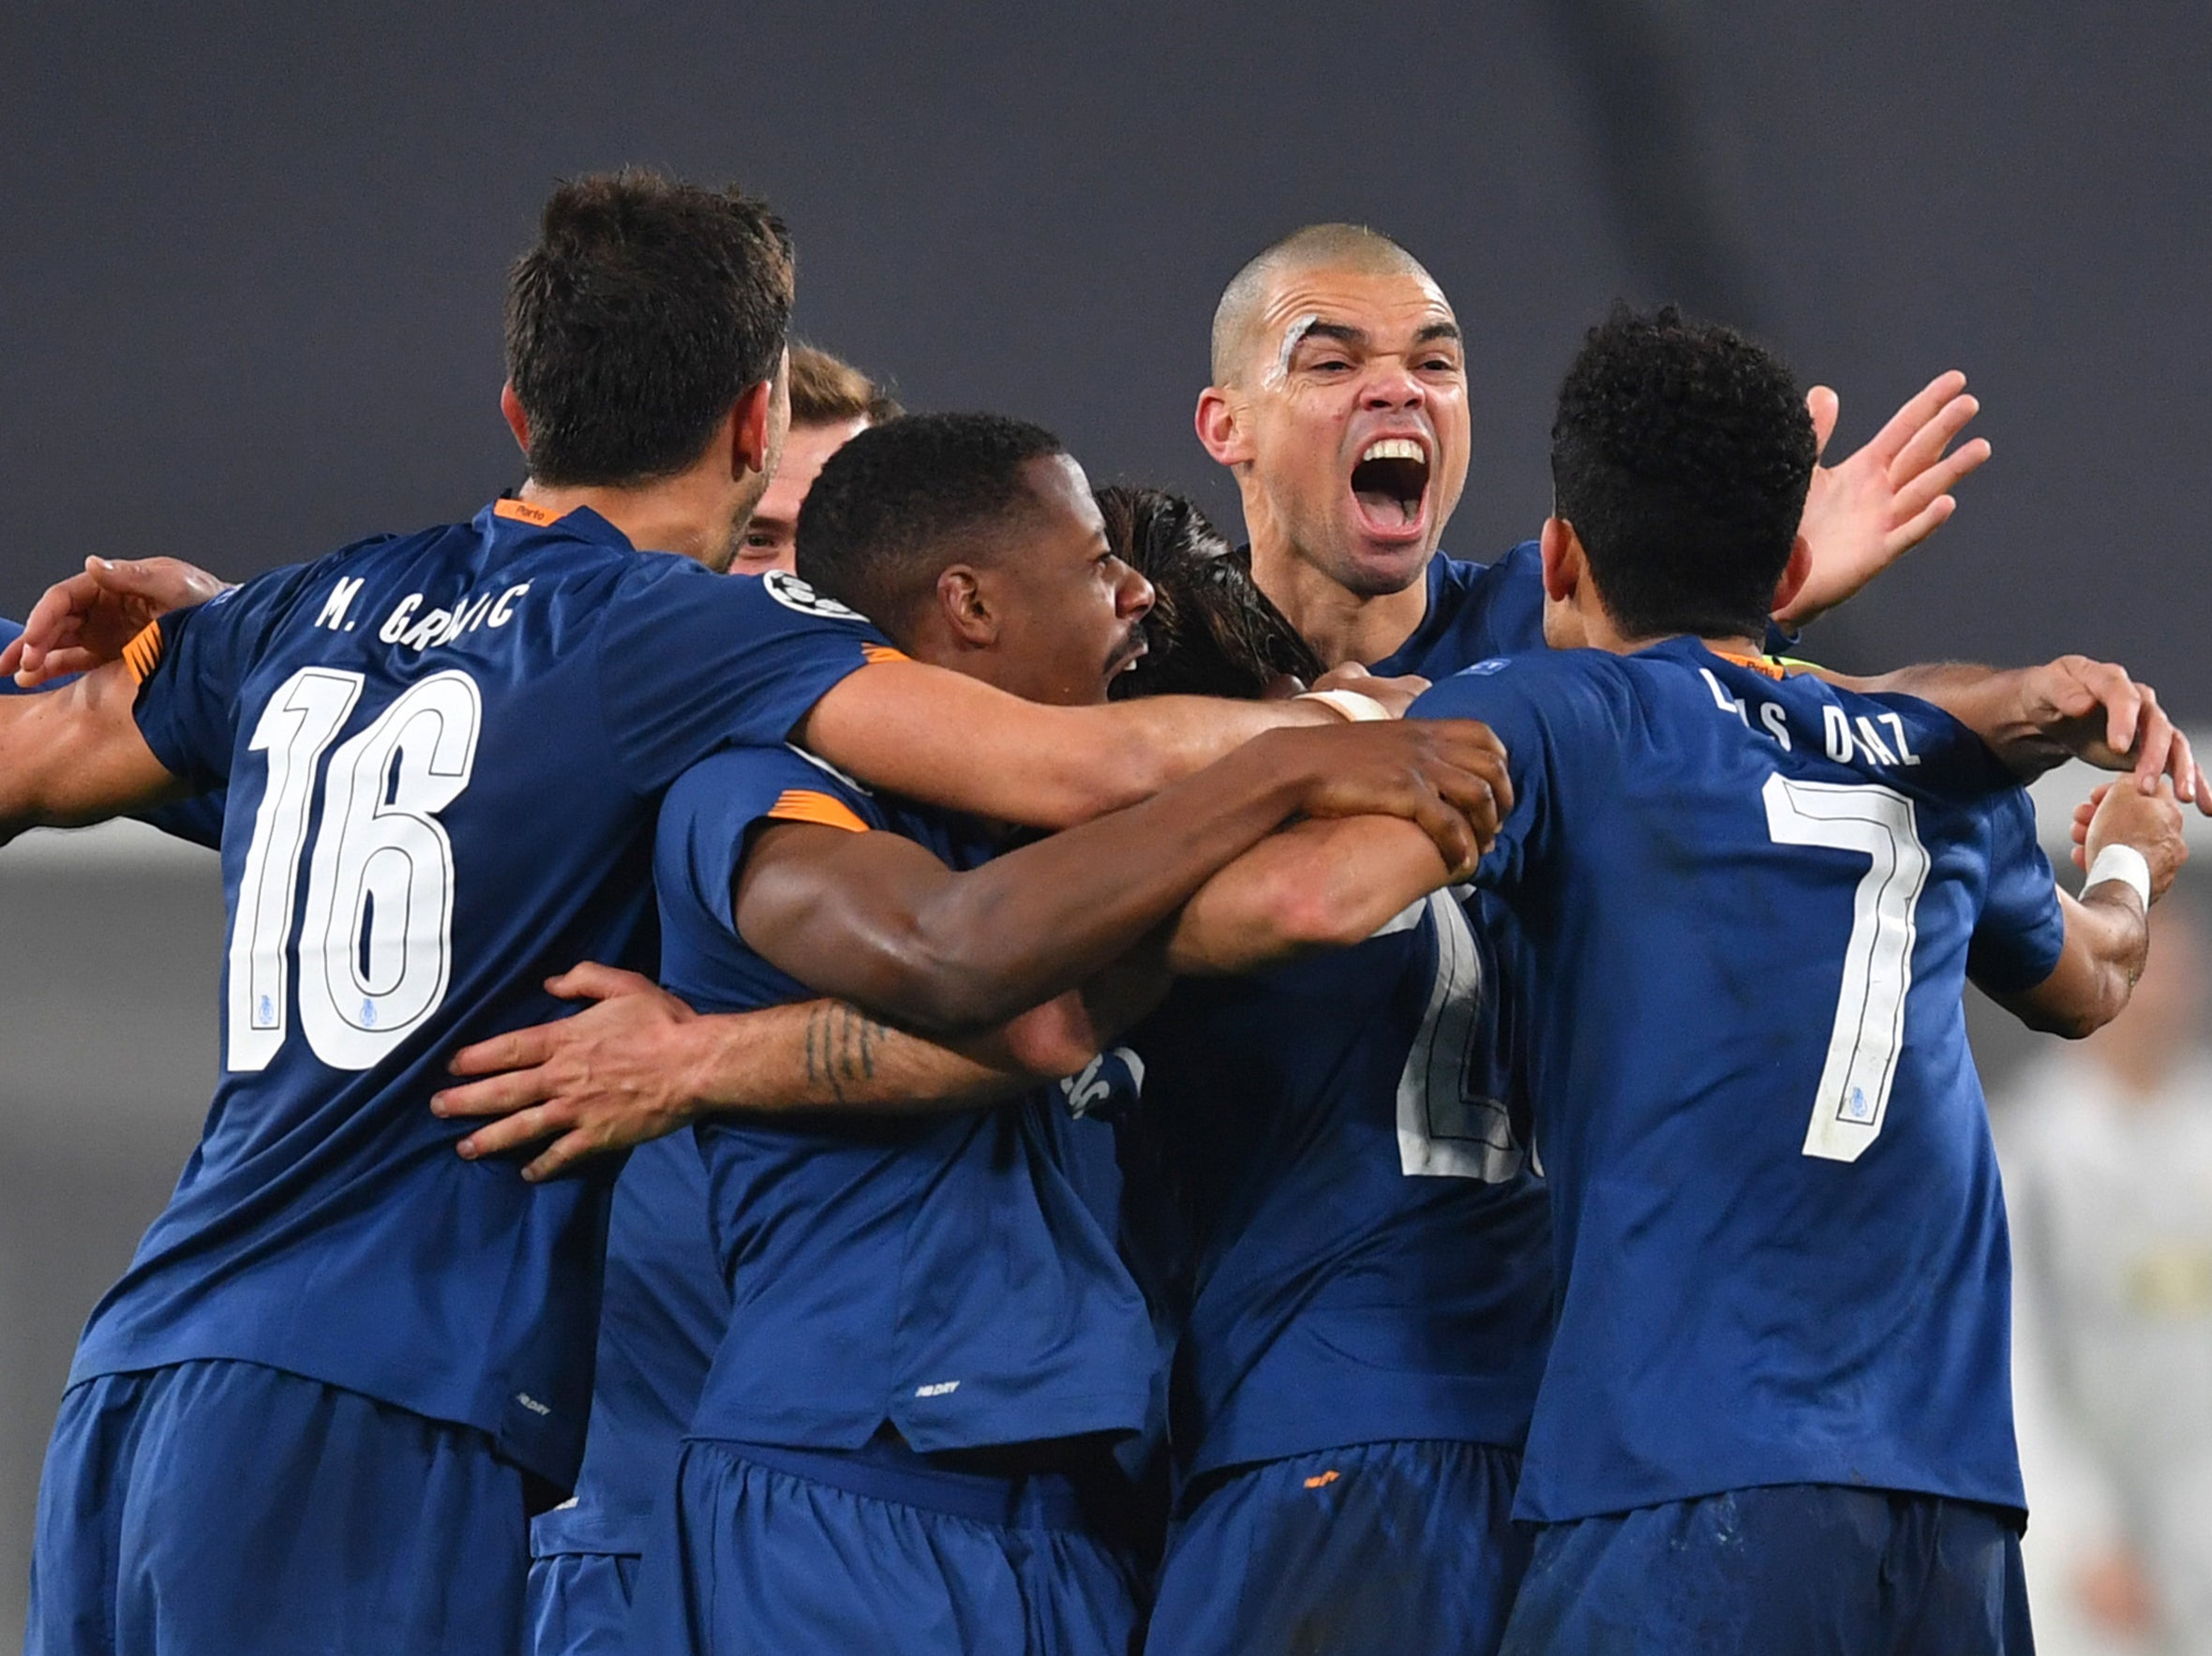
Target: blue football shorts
column 226, row 1509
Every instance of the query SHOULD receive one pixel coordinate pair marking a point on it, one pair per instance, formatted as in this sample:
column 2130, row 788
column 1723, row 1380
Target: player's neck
column 1340, row 625
column 685, row 514
column 1599, row 633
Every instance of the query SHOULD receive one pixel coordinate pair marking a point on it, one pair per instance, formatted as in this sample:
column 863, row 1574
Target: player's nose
column 1133, row 597
column 1390, row 384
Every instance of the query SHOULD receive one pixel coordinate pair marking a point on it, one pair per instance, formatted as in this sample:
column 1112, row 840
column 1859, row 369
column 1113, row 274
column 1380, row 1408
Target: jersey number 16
column 376, row 939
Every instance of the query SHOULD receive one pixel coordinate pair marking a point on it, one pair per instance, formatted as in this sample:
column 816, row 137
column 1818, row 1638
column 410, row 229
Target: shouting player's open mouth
column 1390, row 488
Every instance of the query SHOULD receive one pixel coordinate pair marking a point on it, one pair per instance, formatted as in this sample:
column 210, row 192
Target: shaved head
column 1351, row 248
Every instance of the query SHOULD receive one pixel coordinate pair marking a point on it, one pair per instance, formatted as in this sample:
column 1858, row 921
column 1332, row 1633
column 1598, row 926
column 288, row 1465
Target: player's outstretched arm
column 1313, row 887
column 84, row 622
column 75, row 756
column 1863, row 514
column 947, row 739
column 638, row 1063
column 2131, row 844
column 2073, row 708
column 877, row 919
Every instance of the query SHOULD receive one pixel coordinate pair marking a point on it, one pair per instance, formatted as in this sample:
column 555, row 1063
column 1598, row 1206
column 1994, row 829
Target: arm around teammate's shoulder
column 947, row 739
column 881, row 922
column 2131, row 844
column 2035, row 717
column 1315, row 885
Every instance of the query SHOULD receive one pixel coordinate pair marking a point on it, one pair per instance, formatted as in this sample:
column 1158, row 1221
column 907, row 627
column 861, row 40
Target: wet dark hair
column 646, row 308
column 1211, row 630
column 876, row 527
column 1682, row 454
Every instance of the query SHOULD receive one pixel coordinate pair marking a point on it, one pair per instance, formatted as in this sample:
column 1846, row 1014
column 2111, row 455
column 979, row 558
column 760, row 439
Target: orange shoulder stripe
column 1756, row 664
column 805, row 805
column 142, row 654
column 877, row 655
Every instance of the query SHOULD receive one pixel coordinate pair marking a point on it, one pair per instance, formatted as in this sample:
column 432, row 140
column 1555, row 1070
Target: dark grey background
column 249, row 284
column 250, row 278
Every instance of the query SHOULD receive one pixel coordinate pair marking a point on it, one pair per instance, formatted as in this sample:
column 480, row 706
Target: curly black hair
column 876, row 524
column 1680, row 454
column 1211, row 630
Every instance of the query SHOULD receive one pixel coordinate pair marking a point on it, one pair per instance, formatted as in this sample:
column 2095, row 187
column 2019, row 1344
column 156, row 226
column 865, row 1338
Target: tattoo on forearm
column 841, row 1043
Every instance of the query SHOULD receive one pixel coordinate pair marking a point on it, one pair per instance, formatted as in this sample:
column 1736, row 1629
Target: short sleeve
column 196, row 821
column 191, row 665
column 2021, row 929
column 692, row 662
column 713, row 807
column 1526, row 700
column 9, row 632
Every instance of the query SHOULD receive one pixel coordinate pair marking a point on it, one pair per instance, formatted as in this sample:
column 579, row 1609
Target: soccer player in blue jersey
column 664, row 1307
column 1776, row 1413
column 903, row 1440
column 343, row 1358
column 659, row 1320
column 1369, row 1293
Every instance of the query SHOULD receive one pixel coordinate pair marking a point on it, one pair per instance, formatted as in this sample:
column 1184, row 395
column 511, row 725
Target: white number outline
column 1852, row 1100
column 1445, row 1128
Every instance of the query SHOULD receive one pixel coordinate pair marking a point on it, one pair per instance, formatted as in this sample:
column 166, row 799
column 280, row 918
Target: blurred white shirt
column 2111, row 1204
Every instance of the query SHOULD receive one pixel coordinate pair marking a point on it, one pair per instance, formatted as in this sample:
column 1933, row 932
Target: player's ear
column 511, row 412
column 750, row 432
column 1562, row 549
column 967, row 610
column 1794, row 575
column 1220, row 431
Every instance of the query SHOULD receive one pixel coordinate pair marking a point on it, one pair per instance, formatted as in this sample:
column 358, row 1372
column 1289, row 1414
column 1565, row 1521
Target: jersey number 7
column 1862, row 1048
column 376, row 941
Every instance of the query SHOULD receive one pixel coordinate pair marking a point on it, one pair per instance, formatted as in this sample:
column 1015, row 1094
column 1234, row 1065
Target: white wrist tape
column 1348, row 704
column 2124, row 864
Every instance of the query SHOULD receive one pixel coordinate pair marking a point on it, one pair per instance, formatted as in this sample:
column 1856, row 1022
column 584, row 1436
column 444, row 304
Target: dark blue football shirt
column 1366, row 1252
column 444, row 753
column 1750, row 907
column 664, row 1311
column 955, row 1276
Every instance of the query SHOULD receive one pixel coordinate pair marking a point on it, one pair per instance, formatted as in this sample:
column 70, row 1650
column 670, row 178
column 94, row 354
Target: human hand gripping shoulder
column 2069, row 708
column 85, row 621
